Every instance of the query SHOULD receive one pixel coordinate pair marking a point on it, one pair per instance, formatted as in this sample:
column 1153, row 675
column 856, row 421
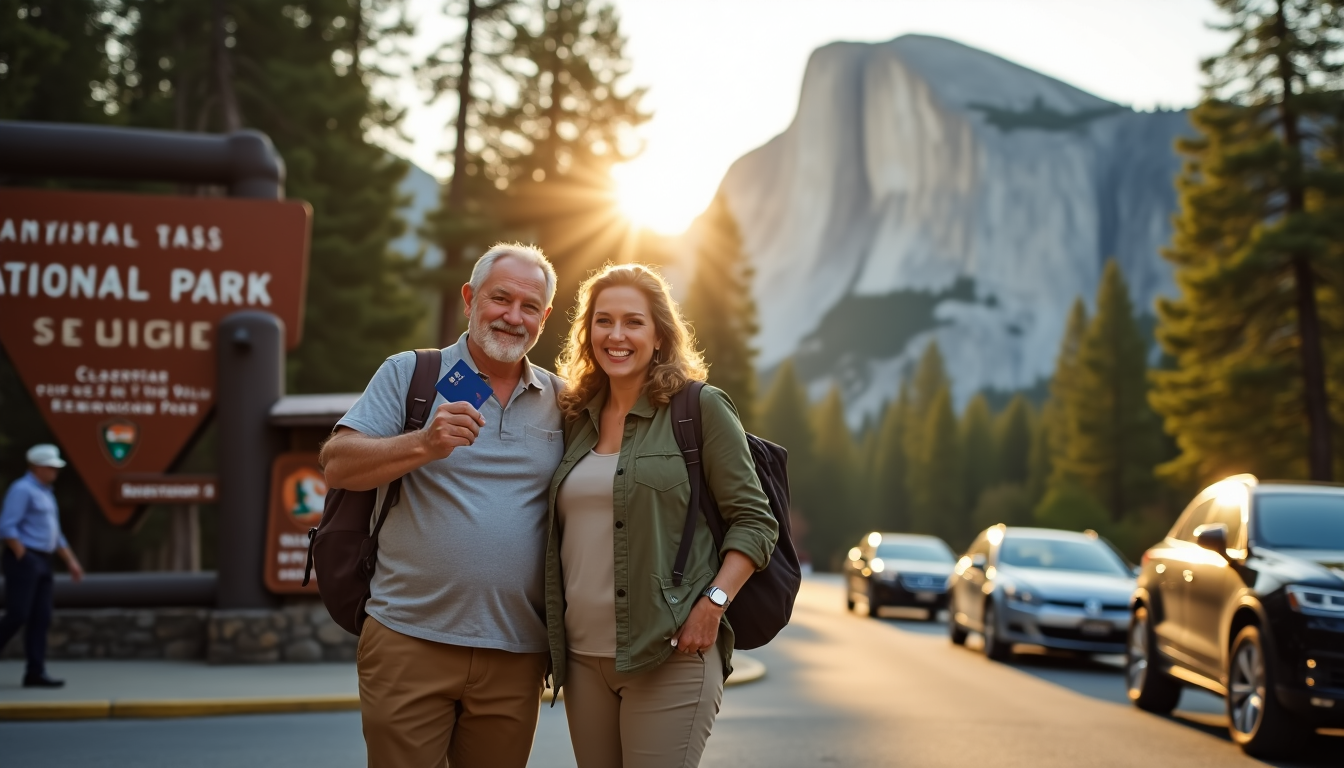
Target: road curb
column 130, row 708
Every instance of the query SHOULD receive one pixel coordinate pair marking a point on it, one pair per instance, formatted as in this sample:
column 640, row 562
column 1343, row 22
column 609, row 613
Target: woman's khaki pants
column 659, row 718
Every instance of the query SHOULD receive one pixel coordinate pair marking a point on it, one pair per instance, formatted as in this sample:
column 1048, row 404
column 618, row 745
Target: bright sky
column 724, row 75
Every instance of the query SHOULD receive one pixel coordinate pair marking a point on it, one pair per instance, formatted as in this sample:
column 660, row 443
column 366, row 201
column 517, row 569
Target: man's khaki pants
column 427, row 704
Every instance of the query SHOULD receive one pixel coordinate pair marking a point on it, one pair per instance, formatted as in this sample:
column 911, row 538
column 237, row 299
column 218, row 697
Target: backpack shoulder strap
column 685, row 407
column 419, row 402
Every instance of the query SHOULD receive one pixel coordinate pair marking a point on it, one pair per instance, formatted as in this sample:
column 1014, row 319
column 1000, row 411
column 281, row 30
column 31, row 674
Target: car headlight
column 1019, row 594
column 1323, row 602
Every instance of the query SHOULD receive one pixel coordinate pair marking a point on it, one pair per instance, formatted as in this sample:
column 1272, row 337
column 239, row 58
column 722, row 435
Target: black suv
column 1245, row 597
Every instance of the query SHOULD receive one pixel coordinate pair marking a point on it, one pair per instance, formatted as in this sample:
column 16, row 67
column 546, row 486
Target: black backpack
column 341, row 549
column 763, row 606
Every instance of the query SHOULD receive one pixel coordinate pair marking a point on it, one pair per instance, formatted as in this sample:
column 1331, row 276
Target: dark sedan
column 899, row 570
column 1245, row 598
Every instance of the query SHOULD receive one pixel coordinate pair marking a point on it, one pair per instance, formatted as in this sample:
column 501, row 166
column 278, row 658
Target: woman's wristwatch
column 716, row 596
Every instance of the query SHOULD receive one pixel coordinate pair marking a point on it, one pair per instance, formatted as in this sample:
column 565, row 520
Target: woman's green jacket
column 650, row 495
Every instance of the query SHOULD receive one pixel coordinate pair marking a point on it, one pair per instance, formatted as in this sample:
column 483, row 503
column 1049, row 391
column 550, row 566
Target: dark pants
column 27, row 603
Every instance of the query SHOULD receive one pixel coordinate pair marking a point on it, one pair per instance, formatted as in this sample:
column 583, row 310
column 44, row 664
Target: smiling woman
column 655, row 198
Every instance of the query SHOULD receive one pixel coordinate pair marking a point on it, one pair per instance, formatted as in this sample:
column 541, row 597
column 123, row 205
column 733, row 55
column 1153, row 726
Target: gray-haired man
column 452, row 657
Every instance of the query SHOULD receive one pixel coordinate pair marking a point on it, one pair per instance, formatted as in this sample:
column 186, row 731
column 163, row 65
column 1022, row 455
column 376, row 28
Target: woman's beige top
column 584, row 503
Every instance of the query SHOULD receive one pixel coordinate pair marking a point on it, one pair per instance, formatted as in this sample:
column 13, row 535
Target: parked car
column 899, row 569
column 1245, row 598
column 1057, row 589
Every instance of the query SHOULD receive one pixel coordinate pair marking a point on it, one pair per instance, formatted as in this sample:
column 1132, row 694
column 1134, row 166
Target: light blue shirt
column 30, row 515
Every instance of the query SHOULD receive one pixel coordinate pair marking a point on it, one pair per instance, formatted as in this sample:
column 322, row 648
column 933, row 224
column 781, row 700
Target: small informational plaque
column 146, row 488
column 298, row 491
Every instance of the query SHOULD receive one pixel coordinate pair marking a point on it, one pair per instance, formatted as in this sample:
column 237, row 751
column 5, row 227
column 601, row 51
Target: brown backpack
column 340, row 548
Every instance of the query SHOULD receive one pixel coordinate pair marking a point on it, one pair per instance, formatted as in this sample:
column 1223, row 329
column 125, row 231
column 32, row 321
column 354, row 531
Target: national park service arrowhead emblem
column 118, row 437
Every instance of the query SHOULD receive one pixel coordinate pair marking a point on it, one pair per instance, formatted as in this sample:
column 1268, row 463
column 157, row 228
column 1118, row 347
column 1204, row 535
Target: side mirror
column 1213, row 537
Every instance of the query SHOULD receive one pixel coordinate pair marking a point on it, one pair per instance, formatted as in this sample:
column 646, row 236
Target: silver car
column 1057, row 589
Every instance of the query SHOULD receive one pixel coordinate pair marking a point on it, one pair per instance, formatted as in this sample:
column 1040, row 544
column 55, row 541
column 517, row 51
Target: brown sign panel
column 298, row 491
column 135, row 489
column 108, row 308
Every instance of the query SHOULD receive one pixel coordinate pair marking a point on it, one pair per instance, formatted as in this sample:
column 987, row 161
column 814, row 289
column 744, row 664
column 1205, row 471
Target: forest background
column 1241, row 371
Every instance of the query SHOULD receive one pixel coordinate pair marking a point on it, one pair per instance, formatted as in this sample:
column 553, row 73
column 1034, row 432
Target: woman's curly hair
column 676, row 363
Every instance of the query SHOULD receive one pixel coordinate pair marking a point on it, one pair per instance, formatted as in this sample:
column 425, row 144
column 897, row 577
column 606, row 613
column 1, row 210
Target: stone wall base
column 300, row 632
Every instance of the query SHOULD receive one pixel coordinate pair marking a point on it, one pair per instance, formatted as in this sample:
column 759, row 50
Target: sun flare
column 655, row 199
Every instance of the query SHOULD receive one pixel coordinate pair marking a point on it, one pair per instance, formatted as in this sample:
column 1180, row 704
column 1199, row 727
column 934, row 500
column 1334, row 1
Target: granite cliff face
column 927, row 190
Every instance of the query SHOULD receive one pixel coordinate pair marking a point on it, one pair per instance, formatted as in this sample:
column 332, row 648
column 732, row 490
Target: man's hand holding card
column 457, row 422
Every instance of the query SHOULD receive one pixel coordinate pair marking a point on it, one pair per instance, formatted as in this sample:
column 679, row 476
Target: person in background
column 30, row 527
column 641, row 657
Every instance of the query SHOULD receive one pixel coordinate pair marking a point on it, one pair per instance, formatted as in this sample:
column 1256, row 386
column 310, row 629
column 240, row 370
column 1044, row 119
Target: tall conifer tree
column 979, row 459
column 1257, row 254
column 1063, row 392
column 783, row 419
column 298, row 73
column 1013, row 442
column 1113, row 432
column 836, row 523
column 722, row 310
column 889, row 468
column 937, row 500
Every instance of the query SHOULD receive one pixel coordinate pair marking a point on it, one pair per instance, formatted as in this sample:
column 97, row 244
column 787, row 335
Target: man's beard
column 498, row 349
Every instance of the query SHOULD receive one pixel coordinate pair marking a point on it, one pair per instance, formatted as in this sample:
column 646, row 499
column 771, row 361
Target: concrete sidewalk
column 101, row 689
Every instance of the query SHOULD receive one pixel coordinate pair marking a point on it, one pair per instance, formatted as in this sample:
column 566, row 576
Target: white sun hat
column 45, row 455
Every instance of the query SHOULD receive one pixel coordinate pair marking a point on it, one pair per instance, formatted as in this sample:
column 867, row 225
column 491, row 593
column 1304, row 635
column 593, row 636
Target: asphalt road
column 841, row 691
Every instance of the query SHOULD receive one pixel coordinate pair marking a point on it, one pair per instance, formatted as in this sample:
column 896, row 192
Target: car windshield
column 931, row 551
column 1300, row 521
column 1055, row 554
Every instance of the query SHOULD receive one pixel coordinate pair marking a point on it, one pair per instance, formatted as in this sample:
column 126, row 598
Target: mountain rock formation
column 928, row 190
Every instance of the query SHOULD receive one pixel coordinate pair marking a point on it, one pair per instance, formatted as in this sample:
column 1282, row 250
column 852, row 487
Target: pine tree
column 889, row 467
column 930, row 377
column 1257, row 255
column 1013, row 442
column 835, row 524
column 54, row 61
column 1039, row 464
column 552, row 146
column 783, row 419
column 299, row 74
column 721, row 308
column 936, row 497
column 1113, row 433
column 1063, row 392
column 466, row 219
column 979, row 457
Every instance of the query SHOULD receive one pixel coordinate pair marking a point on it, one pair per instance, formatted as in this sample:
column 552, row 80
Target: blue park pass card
column 463, row 385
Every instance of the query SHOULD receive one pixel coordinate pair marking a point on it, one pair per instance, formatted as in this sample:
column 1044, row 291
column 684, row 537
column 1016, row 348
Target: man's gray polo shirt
column 461, row 555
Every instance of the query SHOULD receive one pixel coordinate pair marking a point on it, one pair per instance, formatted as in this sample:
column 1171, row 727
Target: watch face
column 717, row 596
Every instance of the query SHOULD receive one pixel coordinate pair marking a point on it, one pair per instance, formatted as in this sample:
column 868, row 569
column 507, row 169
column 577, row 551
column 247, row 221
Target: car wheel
column 955, row 633
column 1256, row 719
column 995, row 647
column 1151, row 689
column 873, row 605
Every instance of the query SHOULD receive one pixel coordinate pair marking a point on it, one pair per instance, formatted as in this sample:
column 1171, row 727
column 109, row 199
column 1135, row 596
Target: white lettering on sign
column 58, row 281
column 123, row 392
column 158, row 334
column 194, row 238
column 31, row 231
column 201, row 287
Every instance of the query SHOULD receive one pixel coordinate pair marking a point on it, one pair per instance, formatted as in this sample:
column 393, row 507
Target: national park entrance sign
column 109, row 305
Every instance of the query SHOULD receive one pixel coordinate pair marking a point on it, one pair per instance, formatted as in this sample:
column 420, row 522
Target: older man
column 30, row 527
column 453, row 654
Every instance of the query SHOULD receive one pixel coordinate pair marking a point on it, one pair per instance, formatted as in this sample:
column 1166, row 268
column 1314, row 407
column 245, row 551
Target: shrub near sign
column 108, row 308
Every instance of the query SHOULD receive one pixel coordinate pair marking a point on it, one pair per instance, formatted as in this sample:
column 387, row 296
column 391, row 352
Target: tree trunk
column 453, row 257
column 1319, row 450
column 228, row 100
